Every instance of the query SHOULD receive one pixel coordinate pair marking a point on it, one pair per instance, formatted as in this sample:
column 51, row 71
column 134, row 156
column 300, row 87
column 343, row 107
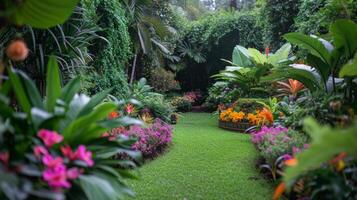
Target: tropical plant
column 154, row 102
column 146, row 30
column 35, row 13
column 55, row 143
column 69, row 42
column 291, row 88
column 322, row 166
column 325, row 58
column 249, row 66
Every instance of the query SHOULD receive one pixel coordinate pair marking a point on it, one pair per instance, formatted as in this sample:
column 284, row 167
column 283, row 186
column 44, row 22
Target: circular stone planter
column 234, row 126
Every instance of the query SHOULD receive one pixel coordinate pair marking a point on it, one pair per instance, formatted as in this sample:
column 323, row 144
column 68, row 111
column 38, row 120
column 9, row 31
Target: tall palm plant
column 146, row 30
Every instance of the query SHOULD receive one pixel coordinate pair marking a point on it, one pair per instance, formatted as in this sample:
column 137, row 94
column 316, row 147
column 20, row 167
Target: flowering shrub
column 193, row 96
column 274, row 142
column 181, row 104
column 260, row 117
column 52, row 149
column 150, row 140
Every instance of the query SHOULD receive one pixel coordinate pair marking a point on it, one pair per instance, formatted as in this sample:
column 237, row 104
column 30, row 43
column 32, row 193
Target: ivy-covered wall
column 111, row 53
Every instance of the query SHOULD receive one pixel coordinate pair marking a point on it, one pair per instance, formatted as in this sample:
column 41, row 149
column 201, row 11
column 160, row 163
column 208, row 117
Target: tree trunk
column 133, row 69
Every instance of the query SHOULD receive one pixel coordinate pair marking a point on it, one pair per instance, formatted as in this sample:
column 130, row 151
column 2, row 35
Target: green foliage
column 163, row 80
column 278, row 17
column 68, row 42
column 213, row 37
column 111, row 54
column 155, row 102
column 36, row 13
column 256, row 65
column 326, row 143
column 323, row 56
column 315, row 17
column 81, row 120
column 181, row 104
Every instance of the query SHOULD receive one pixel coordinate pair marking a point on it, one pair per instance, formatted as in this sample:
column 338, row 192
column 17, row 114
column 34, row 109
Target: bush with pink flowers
column 273, row 142
column 151, row 140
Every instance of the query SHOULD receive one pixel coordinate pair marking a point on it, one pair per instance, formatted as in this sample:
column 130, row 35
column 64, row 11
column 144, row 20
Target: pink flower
column 84, row 155
column 49, row 137
column 51, row 162
column 287, row 157
column 68, row 153
column 56, row 177
column 40, row 151
column 130, row 108
column 73, row 173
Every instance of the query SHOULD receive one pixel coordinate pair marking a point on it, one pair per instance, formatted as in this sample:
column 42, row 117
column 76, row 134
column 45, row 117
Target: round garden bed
column 234, row 126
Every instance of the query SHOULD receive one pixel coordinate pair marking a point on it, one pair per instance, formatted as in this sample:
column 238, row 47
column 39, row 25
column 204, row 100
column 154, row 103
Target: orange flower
column 291, row 162
column 279, row 191
column 267, row 115
column 17, row 50
column 113, row 115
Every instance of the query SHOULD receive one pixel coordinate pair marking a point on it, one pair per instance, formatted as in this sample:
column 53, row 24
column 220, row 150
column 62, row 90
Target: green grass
column 205, row 162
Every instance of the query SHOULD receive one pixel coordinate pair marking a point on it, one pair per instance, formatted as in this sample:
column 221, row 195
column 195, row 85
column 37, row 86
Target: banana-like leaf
column 96, row 188
column 280, row 55
column 53, row 84
column 311, row 44
column 344, row 35
column 42, row 13
column 322, row 67
column 240, row 57
column 349, row 69
column 305, row 77
column 326, row 143
column 257, row 56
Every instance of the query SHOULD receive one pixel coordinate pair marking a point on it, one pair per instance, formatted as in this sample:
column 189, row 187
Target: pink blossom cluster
column 57, row 174
column 258, row 136
column 151, row 140
column 193, row 96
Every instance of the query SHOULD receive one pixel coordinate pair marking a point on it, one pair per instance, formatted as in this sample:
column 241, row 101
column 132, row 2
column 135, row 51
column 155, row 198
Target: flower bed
column 241, row 121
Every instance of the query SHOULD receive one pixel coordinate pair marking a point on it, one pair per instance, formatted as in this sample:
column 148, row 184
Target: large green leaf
column 280, row 55
column 31, row 90
column 257, row 56
column 322, row 67
column 94, row 101
column 43, row 13
column 53, row 83
column 305, row 77
column 96, row 188
column 70, row 90
column 349, row 69
column 344, row 35
column 86, row 127
column 20, row 92
column 326, row 143
column 311, row 44
column 240, row 57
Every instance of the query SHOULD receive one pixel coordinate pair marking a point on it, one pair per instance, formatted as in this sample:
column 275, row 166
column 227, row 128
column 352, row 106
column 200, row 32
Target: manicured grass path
column 205, row 162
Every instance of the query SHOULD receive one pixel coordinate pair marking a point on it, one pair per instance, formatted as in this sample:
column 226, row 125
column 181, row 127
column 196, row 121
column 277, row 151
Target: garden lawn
column 205, row 162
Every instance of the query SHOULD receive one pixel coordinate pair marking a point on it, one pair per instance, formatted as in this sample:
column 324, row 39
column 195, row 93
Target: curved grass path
column 205, row 162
